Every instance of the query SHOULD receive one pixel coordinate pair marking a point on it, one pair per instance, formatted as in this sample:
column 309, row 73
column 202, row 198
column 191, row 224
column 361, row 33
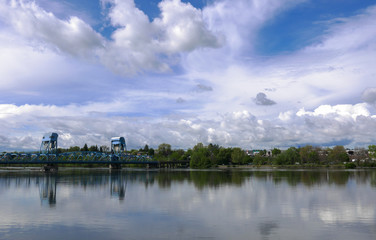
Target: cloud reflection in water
column 189, row 204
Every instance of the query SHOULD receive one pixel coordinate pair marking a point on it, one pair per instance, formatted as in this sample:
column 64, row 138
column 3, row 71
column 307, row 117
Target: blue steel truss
column 74, row 158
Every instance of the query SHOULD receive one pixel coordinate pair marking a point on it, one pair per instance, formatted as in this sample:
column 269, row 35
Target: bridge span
column 49, row 157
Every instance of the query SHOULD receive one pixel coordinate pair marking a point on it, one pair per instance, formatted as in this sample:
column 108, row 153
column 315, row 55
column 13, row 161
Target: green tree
column 104, row 148
column 151, row 152
column 198, row 146
column 372, row 151
column 292, row 155
column 309, row 154
column 323, row 155
column 164, row 150
column 85, row 148
column 338, row 155
column 259, row 159
column 276, row 151
column 224, row 156
column 213, row 153
column 288, row 157
column 238, row 156
column 74, row 149
column 213, row 148
column 133, row 151
column 360, row 155
column 93, row 148
column 262, row 152
column 187, row 155
column 200, row 158
column 176, row 155
column 146, row 148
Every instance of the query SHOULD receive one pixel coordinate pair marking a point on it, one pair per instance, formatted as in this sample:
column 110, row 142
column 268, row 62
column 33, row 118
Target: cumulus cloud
column 136, row 45
column 285, row 116
column 261, row 99
column 344, row 110
column 72, row 36
column 325, row 126
column 369, row 95
column 140, row 44
column 216, row 45
column 321, row 72
column 183, row 27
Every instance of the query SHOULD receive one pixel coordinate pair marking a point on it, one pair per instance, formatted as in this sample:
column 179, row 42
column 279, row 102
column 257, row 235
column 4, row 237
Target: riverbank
column 221, row 167
column 286, row 167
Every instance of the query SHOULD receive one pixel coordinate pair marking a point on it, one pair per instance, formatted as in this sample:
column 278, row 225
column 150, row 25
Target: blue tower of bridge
column 118, row 145
column 49, row 143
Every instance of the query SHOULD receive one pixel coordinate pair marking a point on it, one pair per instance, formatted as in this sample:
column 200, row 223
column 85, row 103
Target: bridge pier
column 115, row 166
column 50, row 167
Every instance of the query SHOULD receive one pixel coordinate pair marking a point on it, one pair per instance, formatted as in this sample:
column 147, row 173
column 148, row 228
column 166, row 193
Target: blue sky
column 247, row 73
column 302, row 25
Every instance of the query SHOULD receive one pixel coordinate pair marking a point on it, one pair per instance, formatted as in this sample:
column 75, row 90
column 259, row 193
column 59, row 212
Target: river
column 187, row 204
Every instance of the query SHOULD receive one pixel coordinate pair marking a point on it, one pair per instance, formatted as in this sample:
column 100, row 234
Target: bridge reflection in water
column 48, row 183
column 115, row 182
column 188, row 204
column 47, row 189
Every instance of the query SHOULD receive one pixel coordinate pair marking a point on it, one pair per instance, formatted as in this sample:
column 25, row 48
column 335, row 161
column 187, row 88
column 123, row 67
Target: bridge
column 49, row 157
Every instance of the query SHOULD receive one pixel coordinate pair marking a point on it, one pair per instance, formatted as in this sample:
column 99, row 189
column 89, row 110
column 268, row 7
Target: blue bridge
column 49, row 157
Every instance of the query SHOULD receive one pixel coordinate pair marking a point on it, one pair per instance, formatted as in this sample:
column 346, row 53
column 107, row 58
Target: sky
column 245, row 73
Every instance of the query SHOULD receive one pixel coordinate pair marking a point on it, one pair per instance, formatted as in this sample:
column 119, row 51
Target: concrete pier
column 115, row 166
column 50, row 168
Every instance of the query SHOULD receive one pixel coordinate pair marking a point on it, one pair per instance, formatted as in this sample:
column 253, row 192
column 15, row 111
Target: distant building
column 255, row 152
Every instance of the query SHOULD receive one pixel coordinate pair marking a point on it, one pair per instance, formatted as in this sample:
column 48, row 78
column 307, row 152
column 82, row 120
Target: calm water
column 137, row 204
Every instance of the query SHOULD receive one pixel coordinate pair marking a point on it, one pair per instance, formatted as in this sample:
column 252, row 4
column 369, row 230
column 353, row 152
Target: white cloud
column 214, row 45
column 344, row 110
column 350, row 33
column 72, row 36
column 350, row 125
column 261, row 99
column 139, row 44
column 369, row 95
column 357, row 208
column 285, row 116
column 183, row 28
column 319, row 74
column 240, row 20
column 136, row 45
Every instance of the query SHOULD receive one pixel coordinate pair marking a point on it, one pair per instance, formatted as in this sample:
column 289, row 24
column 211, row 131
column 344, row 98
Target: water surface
column 138, row 204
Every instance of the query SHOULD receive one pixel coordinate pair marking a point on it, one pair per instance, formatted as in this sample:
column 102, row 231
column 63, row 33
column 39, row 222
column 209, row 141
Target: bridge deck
column 81, row 158
column 82, row 162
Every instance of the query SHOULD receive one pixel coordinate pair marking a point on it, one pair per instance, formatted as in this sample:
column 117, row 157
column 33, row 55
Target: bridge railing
column 72, row 157
column 83, row 157
column 27, row 157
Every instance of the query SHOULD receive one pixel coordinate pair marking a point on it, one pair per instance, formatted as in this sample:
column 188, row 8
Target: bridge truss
column 74, row 158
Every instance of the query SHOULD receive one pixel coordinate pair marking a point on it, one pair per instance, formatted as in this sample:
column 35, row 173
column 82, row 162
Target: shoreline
column 221, row 167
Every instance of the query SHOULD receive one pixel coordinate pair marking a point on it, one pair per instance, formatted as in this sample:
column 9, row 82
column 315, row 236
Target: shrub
column 350, row 165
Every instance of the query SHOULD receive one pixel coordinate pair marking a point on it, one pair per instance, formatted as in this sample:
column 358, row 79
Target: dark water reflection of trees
column 118, row 180
column 200, row 178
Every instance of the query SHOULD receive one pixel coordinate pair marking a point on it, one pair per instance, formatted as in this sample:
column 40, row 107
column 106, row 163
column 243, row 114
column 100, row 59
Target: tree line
column 212, row 155
column 85, row 148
